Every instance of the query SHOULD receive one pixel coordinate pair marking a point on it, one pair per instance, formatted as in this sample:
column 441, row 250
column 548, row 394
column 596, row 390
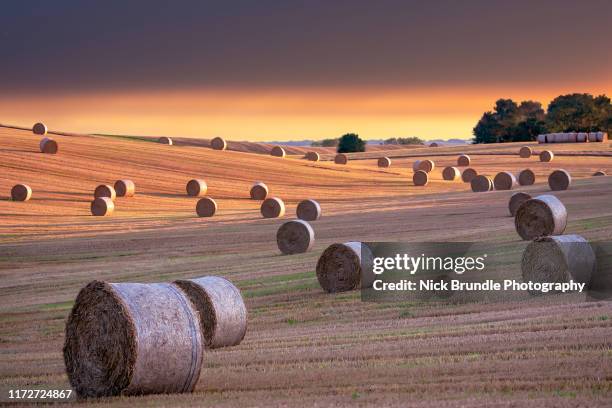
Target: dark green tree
column 325, row 143
column 578, row 113
column 351, row 142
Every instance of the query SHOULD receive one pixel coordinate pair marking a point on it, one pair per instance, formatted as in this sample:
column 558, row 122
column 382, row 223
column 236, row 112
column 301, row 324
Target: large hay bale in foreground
column 196, row 188
column 222, row 312
column 218, row 143
column 420, row 178
column 272, row 207
column 504, row 180
column 427, row 166
column 259, row 191
column 384, row 162
column 102, row 206
column 278, row 151
column 546, row 156
column 295, row 237
column 561, row 258
column 540, row 216
column 525, row 152
column 308, row 210
column 526, row 177
column 132, row 338
column 105, row 190
column 463, row 160
column 339, row 268
column 582, row 137
column 559, row 180
column 599, row 173
column 313, row 156
column 39, row 129
column 516, row 200
column 165, row 140
column 451, row 173
column 21, row 192
column 206, row 207
column 468, row 175
column 341, row 158
column 480, row 184
column 48, row 146
column 125, row 188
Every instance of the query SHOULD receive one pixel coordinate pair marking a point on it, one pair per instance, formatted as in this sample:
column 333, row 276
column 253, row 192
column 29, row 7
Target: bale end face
column 196, row 188
column 259, row 191
column 451, row 173
column 313, row 156
column 308, row 210
column 339, row 267
column 526, row 177
column 546, row 156
column 504, row 181
column 384, row 162
column 21, row 192
column 341, row 158
column 125, row 188
column 102, row 206
column 104, row 190
column 540, row 216
column 272, row 207
column 295, row 237
column 426, row 165
column 420, row 178
column 39, row 129
column 559, row 180
column 206, row 207
column 463, row 160
column 516, row 200
column 599, row 173
column 468, row 175
column 165, row 140
column 48, row 146
column 278, row 151
column 525, row 152
column 480, row 184
column 434, row 144
column 218, row 143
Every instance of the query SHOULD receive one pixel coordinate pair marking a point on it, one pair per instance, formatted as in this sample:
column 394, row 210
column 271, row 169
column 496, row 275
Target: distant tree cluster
column 509, row 122
column 404, row 141
column 325, row 143
column 350, row 143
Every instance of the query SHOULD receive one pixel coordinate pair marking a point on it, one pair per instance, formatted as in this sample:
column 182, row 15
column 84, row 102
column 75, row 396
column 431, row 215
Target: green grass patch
column 128, row 137
column 276, row 279
column 57, row 306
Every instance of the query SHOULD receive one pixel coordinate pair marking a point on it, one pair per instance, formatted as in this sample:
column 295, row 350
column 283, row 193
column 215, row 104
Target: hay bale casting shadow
column 526, row 177
column 384, row 162
column 105, row 190
column 308, row 210
column 272, row 207
column 480, row 184
column 21, row 192
column 540, row 216
column 313, row 156
column 278, row 151
column 546, row 156
column 525, row 152
column 206, row 207
column 165, row 140
column 295, row 237
column 125, row 188
column 468, row 175
column 504, row 181
column 339, row 268
column 559, row 180
column 259, row 191
column 102, row 206
column 451, row 173
column 463, row 160
column 341, row 158
column 218, row 143
column 196, row 188
column 39, row 129
column 48, row 146
column 420, row 178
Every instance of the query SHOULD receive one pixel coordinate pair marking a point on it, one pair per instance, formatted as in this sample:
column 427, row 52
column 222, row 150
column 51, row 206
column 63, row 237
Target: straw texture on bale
column 341, row 158
column 541, row 138
column 278, row 151
column 415, row 165
column 223, row 314
column 526, row 177
column 339, row 268
column 558, row 258
column 259, row 191
column 546, row 156
column 102, row 206
column 525, row 152
column 206, row 207
column 468, row 175
column 218, row 143
column 451, row 173
column 463, row 160
column 196, row 188
column 125, row 188
column 48, row 146
column 420, row 178
column 313, row 156
column 308, row 210
column 272, row 207
column 384, row 162
column 105, row 190
column 132, row 338
column 165, row 140
column 572, row 137
column 599, row 173
column 504, row 180
column 295, row 237
column 516, row 200
column 592, row 137
column 427, row 166
column 39, row 129
column 582, row 137
column 21, row 192
column 559, row 180
column 481, row 184
column 540, row 216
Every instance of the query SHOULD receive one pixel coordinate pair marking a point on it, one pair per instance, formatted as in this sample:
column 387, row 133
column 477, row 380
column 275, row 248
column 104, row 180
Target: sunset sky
column 263, row 70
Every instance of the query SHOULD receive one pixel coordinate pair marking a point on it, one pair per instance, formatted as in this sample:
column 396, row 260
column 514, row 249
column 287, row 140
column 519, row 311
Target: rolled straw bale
column 550, row 137
column 561, row 258
column 562, row 138
column 206, row 207
column 196, row 188
column 599, row 173
column 516, row 200
column 463, row 160
column 218, row 143
column 602, row 136
column 582, row 137
column 504, row 180
column 546, row 156
column 39, row 129
column 223, row 314
column 420, row 178
column 339, row 268
column 21, row 192
column 272, row 207
column 259, row 191
column 313, row 156
column 481, row 184
column 125, row 188
column 295, row 237
column 48, row 146
column 559, row 180
column 165, row 140
column 102, row 206
column 526, row 177
column 542, row 138
column 427, row 166
column 592, row 137
column 415, row 165
column 541, row 216
column 572, row 137
column 132, row 338
column 278, row 151
column 468, row 175
column 451, row 173
column 105, row 190
column 384, row 162
column 525, row 152
column 434, row 144
column 341, row 158
column 308, row 210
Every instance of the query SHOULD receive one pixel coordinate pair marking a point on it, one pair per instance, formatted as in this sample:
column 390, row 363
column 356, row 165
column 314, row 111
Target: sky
column 288, row 70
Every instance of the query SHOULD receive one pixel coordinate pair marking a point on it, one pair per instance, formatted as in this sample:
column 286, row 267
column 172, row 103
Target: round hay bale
column 468, row 175
column 451, row 173
column 562, row 138
column 582, row 137
column 550, row 137
column 206, row 207
column 504, row 180
column 526, row 177
column 427, row 166
column 463, row 160
column 599, row 173
column 196, row 188
column 132, row 338
column 308, row 210
column 165, row 140
column 104, row 190
column 592, row 136
column 542, row 138
column 259, row 191
column 223, row 314
column 295, row 237
column 272, row 207
column 516, row 200
column 434, row 144
column 313, row 156
column 546, row 156
column 415, row 165
column 420, row 178
column 39, row 129
column 561, row 258
column 602, row 136
column 540, row 216
column 481, row 184
column 125, row 188
column 21, row 192
column 102, row 206
column 48, row 146
column 525, row 152
column 572, row 137
column 278, row 151
column 341, row 158
column 339, row 268
column 218, row 143
column 384, row 162
column 559, row 180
